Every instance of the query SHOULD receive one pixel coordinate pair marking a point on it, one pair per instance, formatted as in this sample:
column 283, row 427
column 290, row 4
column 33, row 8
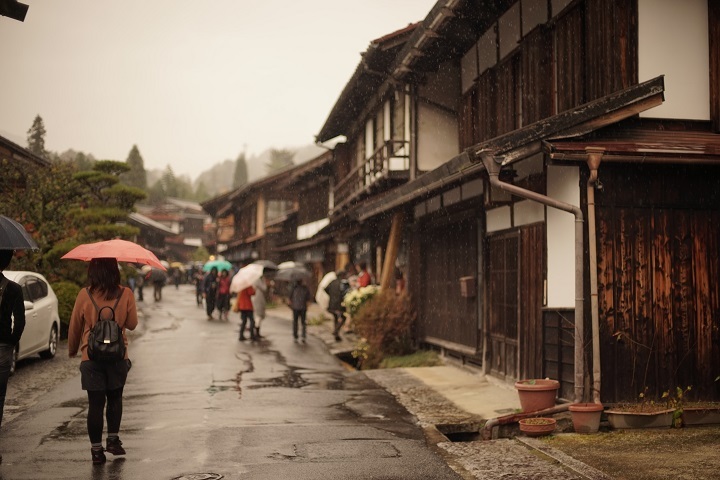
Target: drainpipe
column 594, row 157
column 493, row 169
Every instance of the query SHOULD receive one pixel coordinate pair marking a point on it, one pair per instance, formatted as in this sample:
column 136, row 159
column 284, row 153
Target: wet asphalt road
column 199, row 404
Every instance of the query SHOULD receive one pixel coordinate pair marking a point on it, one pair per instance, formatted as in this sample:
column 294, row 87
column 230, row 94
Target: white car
column 42, row 322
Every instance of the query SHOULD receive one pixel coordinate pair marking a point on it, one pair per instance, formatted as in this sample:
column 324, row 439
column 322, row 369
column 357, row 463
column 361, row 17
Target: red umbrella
column 121, row 250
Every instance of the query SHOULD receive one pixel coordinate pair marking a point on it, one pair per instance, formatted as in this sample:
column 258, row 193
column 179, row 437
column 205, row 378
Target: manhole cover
column 199, row 476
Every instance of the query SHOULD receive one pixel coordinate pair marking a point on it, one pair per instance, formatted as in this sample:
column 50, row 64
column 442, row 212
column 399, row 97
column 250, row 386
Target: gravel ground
column 645, row 454
column 34, row 377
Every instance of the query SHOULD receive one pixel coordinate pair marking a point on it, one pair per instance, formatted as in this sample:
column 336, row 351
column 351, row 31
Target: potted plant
column 701, row 413
column 586, row 416
column 535, row 427
column 646, row 413
column 537, row 394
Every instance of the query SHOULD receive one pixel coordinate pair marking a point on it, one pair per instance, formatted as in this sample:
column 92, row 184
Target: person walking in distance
column 12, row 324
column 210, row 285
column 364, row 279
column 336, row 290
column 298, row 302
column 259, row 300
column 245, row 306
column 104, row 381
column 223, row 295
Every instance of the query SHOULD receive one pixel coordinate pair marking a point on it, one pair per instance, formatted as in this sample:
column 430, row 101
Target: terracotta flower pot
column 586, row 417
column 535, row 427
column 537, row 394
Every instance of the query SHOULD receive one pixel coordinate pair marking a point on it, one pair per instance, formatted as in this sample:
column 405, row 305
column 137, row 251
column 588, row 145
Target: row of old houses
column 546, row 175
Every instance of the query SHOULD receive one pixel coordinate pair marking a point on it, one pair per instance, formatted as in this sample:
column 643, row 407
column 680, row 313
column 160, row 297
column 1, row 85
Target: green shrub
column 386, row 324
column 421, row 358
column 66, row 293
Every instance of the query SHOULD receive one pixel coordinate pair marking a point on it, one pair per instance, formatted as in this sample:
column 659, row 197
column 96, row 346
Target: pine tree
column 241, row 171
column 36, row 137
column 279, row 159
column 136, row 176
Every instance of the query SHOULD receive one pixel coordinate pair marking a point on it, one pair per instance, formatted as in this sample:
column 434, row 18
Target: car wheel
column 13, row 363
column 52, row 344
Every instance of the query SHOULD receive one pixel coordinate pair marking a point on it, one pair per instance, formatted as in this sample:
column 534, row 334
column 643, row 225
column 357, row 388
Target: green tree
column 241, row 171
column 136, row 176
column 43, row 204
column 169, row 182
column 105, row 203
column 201, row 193
column 36, row 137
column 279, row 159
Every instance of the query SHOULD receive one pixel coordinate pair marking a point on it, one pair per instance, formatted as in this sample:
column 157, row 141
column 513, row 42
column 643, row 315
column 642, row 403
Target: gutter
column 493, row 165
column 594, row 156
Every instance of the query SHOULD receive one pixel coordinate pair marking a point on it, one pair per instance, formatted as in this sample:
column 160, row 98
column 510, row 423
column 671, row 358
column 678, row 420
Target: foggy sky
column 190, row 82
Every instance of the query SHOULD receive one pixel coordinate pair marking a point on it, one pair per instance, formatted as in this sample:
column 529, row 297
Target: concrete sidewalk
column 451, row 402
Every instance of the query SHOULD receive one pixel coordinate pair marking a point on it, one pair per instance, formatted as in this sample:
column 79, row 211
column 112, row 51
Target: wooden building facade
column 556, row 166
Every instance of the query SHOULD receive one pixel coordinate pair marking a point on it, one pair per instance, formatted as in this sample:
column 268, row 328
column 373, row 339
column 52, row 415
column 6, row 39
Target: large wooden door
column 503, row 301
column 449, row 252
column 515, row 295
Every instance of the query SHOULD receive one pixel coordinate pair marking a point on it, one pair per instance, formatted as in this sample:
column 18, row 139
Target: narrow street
column 199, row 402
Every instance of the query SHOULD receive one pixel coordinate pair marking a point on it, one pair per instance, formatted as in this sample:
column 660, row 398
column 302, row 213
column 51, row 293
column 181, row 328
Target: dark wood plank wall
column 532, row 273
column 506, row 94
column 569, row 60
column 487, row 111
column 559, row 349
column 449, row 246
column 611, row 58
column 658, row 266
column 536, row 76
column 714, row 33
column 314, row 202
column 468, row 114
column 503, row 303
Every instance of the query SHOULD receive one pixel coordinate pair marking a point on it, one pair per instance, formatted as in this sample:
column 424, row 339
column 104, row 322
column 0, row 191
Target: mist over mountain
column 218, row 179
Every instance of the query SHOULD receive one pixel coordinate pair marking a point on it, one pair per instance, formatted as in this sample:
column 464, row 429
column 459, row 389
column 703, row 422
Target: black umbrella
column 267, row 264
column 13, row 236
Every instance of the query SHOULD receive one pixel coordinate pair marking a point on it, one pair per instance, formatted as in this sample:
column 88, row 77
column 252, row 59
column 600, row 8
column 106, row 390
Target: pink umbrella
column 121, row 250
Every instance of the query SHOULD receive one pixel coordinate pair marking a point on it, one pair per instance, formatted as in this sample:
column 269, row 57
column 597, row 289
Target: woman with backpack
column 104, row 379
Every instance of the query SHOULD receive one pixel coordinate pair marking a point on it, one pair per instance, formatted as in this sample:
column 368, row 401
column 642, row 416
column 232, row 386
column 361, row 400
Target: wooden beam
column 392, row 249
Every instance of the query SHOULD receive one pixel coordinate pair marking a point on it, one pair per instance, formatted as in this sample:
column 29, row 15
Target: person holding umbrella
column 103, row 380
column 12, row 324
column 13, row 236
column 247, row 312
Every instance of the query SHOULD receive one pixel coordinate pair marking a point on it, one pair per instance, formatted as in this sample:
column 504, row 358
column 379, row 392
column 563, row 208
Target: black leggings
column 96, row 400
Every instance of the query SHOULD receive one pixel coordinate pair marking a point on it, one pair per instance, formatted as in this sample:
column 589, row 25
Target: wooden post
column 392, row 249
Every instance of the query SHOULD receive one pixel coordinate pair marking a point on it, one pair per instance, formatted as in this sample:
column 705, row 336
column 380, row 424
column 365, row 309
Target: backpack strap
column 97, row 309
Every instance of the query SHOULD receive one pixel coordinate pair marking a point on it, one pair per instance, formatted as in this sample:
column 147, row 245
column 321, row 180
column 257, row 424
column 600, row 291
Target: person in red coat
column 245, row 306
column 364, row 279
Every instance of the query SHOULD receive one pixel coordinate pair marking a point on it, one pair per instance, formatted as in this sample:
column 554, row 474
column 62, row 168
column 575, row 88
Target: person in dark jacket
column 336, row 291
column 298, row 302
column 209, row 287
column 12, row 324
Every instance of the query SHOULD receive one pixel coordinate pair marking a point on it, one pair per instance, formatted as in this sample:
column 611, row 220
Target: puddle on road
column 290, row 379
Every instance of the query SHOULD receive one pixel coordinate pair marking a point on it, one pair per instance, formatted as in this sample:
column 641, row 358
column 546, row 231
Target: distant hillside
column 218, row 179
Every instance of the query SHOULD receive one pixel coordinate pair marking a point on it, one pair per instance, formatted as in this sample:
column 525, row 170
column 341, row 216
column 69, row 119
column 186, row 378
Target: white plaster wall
column 497, row 219
column 437, row 137
column 563, row 185
column 527, row 212
column 673, row 41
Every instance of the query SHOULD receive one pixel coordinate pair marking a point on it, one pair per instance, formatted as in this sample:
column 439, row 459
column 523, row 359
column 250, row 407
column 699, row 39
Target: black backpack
column 105, row 342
